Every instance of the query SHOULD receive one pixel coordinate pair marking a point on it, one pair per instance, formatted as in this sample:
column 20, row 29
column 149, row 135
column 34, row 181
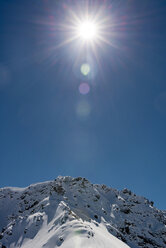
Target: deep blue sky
column 121, row 141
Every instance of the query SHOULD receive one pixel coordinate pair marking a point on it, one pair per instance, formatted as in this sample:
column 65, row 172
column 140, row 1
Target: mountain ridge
column 67, row 210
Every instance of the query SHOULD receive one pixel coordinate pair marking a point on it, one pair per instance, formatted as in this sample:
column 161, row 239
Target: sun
column 87, row 30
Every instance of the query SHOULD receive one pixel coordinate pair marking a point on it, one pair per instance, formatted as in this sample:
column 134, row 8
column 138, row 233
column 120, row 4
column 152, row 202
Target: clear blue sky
column 118, row 137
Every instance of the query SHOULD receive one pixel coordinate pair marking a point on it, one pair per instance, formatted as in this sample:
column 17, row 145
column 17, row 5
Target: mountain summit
column 73, row 213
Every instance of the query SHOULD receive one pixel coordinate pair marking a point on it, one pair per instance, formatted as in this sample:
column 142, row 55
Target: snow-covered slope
column 72, row 212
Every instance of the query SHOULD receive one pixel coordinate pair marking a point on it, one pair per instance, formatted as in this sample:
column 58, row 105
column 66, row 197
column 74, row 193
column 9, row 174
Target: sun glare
column 87, row 30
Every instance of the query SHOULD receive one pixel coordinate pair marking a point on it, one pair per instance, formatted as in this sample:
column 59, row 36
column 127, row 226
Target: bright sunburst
column 87, row 30
column 88, row 27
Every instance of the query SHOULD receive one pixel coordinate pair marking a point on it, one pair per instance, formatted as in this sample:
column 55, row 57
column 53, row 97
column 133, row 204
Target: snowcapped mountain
column 72, row 212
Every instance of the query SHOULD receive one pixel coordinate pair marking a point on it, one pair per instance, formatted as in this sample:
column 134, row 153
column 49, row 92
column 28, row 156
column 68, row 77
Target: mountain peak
column 72, row 212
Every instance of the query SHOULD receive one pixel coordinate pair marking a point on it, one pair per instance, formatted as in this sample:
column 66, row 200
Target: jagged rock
column 73, row 208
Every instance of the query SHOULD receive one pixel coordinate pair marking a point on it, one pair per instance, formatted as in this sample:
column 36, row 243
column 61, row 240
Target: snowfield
column 72, row 212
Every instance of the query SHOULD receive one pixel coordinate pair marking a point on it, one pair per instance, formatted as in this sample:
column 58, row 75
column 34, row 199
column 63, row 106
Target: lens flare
column 83, row 109
column 84, row 88
column 85, row 69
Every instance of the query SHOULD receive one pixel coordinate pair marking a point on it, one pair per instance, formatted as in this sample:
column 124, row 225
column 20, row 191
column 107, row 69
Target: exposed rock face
column 52, row 214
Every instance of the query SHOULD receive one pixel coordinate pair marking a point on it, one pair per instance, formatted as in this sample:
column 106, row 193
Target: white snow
column 72, row 212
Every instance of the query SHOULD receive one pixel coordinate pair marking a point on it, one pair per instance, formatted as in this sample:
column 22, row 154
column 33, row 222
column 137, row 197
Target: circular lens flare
column 85, row 69
column 84, row 88
column 87, row 30
column 83, row 109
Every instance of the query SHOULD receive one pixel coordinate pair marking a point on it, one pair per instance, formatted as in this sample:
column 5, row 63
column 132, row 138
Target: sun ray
column 87, row 28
